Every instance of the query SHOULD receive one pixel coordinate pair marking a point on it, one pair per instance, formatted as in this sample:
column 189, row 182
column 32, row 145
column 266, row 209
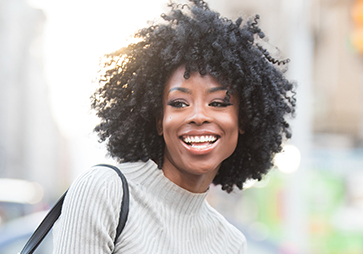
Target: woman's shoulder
column 103, row 176
column 98, row 175
column 90, row 212
column 97, row 184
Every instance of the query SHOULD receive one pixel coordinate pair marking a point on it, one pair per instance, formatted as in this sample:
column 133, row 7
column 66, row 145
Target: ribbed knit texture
column 163, row 217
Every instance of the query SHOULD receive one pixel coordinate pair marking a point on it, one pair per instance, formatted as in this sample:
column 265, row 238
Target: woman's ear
column 241, row 128
column 159, row 125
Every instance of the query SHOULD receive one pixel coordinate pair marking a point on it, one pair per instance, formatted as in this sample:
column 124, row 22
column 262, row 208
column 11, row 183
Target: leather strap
column 44, row 227
column 125, row 200
column 49, row 220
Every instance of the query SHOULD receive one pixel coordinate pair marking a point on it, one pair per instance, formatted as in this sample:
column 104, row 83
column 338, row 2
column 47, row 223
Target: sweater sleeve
column 90, row 214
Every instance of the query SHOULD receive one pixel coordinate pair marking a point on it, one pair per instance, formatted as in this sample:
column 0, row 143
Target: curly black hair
column 129, row 100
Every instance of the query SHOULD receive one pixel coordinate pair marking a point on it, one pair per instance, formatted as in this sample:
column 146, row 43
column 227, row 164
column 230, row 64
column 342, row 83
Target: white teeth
column 200, row 146
column 199, row 139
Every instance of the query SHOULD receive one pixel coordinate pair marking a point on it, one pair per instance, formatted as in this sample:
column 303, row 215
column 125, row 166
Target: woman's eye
column 177, row 104
column 219, row 104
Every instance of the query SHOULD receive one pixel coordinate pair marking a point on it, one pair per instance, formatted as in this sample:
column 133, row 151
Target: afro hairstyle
column 129, row 98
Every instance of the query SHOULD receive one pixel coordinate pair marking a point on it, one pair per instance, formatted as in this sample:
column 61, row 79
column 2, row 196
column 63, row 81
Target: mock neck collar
column 147, row 175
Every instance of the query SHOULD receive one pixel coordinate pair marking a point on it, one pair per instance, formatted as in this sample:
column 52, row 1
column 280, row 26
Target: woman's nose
column 199, row 115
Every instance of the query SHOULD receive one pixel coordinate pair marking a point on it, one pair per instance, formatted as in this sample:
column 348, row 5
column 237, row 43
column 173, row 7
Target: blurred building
column 338, row 76
column 30, row 142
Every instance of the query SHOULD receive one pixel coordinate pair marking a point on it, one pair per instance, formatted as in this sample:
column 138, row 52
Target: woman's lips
column 189, row 139
column 199, row 144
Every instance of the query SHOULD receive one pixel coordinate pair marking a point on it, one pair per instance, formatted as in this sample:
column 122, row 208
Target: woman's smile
column 200, row 128
column 199, row 144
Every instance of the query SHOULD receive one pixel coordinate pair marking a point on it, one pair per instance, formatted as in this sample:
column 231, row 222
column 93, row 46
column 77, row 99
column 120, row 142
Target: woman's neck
column 191, row 182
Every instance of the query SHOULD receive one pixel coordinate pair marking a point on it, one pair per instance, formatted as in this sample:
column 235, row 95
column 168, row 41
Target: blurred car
column 15, row 234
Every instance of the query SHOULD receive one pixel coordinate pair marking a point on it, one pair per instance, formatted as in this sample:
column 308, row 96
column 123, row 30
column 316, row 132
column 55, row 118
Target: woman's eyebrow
column 215, row 89
column 181, row 89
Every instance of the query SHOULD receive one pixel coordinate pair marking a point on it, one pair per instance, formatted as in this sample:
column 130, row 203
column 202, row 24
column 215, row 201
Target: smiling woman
column 199, row 127
column 196, row 101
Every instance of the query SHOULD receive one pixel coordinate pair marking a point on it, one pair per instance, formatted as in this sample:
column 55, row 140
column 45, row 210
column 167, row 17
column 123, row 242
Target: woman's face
column 199, row 127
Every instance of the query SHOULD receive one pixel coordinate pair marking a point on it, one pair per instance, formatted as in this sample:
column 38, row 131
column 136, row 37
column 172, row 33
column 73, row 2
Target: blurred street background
column 311, row 202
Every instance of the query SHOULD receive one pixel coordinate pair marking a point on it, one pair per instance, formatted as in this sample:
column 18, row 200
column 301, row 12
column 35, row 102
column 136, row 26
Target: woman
column 196, row 101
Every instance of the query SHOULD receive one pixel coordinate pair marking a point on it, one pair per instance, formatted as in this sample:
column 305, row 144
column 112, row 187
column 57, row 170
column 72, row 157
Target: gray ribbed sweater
column 163, row 217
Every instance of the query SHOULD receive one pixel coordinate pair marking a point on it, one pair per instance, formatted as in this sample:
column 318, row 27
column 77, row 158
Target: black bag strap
column 124, row 212
column 49, row 220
